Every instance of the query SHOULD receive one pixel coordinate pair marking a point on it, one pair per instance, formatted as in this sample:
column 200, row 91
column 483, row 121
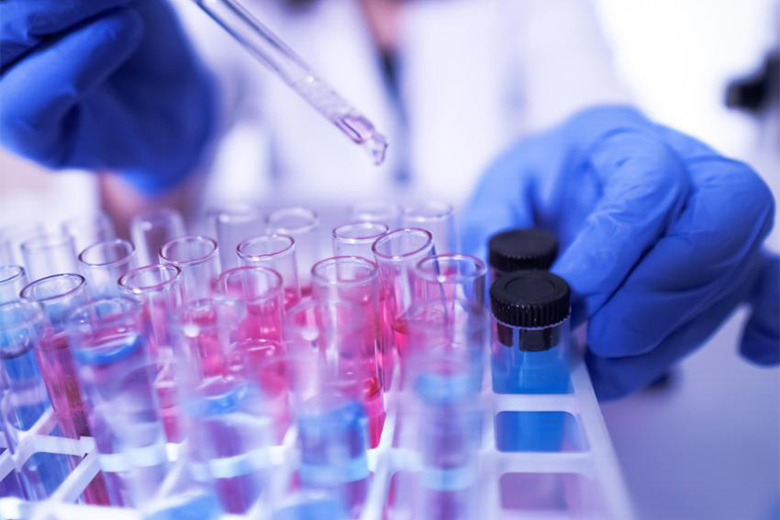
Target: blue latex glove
column 103, row 85
column 661, row 239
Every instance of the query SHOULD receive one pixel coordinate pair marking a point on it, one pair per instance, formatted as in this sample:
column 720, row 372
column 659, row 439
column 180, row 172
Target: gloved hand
column 103, row 85
column 661, row 238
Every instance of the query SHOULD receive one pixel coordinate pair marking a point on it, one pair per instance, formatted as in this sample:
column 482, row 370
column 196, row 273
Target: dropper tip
column 376, row 146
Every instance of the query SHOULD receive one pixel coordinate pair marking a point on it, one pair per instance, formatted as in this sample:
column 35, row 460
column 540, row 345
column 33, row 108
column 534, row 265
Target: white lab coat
column 475, row 76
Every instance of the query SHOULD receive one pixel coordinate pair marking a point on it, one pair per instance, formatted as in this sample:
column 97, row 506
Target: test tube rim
column 146, row 219
column 373, row 270
column 448, row 210
column 259, row 257
column 404, row 256
column 141, row 289
column 88, row 218
column 25, row 294
column 243, row 212
column 361, row 215
column 190, row 238
column 360, row 224
column 311, row 226
column 18, row 272
column 481, row 268
column 275, row 290
column 47, row 241
column 130, row 249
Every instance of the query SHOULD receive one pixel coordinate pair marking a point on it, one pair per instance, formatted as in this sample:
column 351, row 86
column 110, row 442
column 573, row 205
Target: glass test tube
column 346, row 288
column 233, row 225
column 158, row 289
column 332, row 443
column 13, row 278
column 198, row 259
column 302, row 225
column 259, row 353
column 58, row 295
column 153, row 229
column 11, row 239
column 449, row 313
column 24, row 398
column 110, row 340
column 438, row 218
column 530, row 333
column 229, row 431
column 46, row 255
column 277, row 252
column 103, row 263
column 356, row 238
column 383, row 212
column 397, row 254
column 89, row 229
column 446, row 420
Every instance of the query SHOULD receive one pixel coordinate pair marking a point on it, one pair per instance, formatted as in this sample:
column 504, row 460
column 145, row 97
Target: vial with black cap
column 521, row 249
column 530, row 311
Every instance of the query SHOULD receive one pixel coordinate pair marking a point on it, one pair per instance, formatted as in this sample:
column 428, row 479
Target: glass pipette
column 281, row 59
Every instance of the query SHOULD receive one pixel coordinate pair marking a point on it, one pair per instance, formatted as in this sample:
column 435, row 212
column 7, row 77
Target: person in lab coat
column 662, row 235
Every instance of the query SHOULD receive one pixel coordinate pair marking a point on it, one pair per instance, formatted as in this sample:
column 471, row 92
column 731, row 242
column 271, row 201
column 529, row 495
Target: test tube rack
column 587, row 475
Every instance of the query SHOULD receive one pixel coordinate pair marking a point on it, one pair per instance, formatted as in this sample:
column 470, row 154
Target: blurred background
column 708, row 444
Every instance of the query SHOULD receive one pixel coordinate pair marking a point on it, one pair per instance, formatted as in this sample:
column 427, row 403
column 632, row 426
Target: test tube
column 530, row 333
column 153, row 229
column 302, row 224
column 50, row 254
column 356, row 238
column 13, row 278
column 438, row 218
column 382, row 212
column 229, row 431
column 277, row 252
column 109, row 338
column 346, row 288
column 58, row 295
column 24, row 399
column 104, row 263
column 158, row 289
column 233, row 225
column 333, row 445
column 397, row 254
column 89, row 229
column 519, row 249
column 198, row 259
column 11, row 239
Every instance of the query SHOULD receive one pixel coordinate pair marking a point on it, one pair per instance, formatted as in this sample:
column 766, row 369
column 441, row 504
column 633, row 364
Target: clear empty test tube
column 153, row 229
column 438, row 218
column 380, row 211
column 530, row 333
column 521, row 249
column 277, row 252
column 46, row 255
column 259, row 353
column 229, row 432
column 333, row 445
column 103, row 263
column 397, row 254
column 25, row 400
column 446, row 418
column 232, row 226
column 109, row 338
column 13, row 278
column 58, row 295
column 198, row 259
column 449, row 312
column 11, row 239
column 356, row 238
column 346, row 288
column 158, row 289
column 89, row 229
column 303, row 225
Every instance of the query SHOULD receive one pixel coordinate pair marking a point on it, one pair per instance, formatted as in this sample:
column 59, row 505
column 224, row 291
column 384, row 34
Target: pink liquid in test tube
column 277, row 252
column 158, row 289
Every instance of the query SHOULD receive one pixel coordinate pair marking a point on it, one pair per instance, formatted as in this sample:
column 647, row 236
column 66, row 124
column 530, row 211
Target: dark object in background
column 753, row 93
column 521, row 248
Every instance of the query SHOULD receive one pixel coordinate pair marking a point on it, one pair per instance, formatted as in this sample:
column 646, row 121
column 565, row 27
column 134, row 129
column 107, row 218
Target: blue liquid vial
column 530, row 333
